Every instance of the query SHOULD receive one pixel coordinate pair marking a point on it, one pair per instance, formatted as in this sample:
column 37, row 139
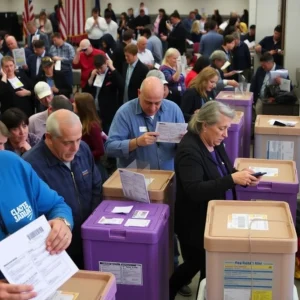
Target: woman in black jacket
column 203, row 173
column 16, row 89
column 56, row 79
column 200, row 91
column 108, row 45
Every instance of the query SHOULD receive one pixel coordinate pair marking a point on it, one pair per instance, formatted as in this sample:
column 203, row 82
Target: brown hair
column 131, row 49
column 200, row 81
column 86, row 110
column 6, row 59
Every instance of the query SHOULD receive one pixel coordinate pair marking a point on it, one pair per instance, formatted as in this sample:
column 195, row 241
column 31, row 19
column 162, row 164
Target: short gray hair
column 3, row 130
column 210, row 114
column 236, row 35
column 53, row 124
column 219, row 55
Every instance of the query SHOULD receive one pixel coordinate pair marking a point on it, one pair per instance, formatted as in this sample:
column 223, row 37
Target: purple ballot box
column 234, row 142
column 132, row 245
column 240, row 102
column 279, row 183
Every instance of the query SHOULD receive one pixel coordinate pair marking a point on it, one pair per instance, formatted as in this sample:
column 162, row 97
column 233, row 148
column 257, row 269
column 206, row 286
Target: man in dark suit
column 35, row 59
column 36, row 34
column 105, row 84
column 261, row 80
column 141, row 21
column 177, row 36
column 134, row 72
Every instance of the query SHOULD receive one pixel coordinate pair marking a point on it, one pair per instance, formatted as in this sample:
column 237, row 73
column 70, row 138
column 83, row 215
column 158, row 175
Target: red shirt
column 189, row 77
column 95, row 141
column 86, row 64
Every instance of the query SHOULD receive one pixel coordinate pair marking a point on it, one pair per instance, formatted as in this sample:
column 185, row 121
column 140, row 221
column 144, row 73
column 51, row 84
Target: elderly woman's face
column 215, row 134
column 172, row 60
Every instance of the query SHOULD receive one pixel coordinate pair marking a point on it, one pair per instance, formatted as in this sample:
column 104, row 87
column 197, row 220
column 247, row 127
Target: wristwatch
column 66, row 222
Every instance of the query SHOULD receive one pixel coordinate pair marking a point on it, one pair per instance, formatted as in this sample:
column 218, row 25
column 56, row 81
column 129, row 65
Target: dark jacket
column 141, row 21
column 110, row 44
column 119, row 56
column 177, row 37
column 113, row 15
column 31, row 63
column 241, row 59
column 43, row 37
column 60, row 81
column 81, row 187
column 8, row 97
column 190, row 101
column 162, row 27
column 138, row 75
column 198, row 182
column 257, row 81
column 108, row 95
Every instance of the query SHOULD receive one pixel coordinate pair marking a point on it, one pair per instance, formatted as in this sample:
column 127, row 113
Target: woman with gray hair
column 218, row 59
column 203, row 173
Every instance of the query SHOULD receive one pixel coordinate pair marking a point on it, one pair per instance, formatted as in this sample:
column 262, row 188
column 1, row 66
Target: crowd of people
column 135, row 72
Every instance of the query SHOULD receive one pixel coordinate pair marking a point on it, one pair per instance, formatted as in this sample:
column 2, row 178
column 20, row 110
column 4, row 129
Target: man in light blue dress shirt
column 132, row 133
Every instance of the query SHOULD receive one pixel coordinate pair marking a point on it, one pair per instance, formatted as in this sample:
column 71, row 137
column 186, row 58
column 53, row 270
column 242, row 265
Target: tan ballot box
column 161, row 190
column 277, row 142
column 89, row 285
column 250, row 250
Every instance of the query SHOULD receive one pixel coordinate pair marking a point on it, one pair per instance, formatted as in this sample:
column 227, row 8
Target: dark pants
column 95, row 43
column 194, row 261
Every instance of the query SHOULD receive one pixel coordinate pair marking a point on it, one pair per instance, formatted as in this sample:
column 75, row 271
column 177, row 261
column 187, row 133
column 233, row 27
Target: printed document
column 170, row 132
column 19, row 57
column 25, row 260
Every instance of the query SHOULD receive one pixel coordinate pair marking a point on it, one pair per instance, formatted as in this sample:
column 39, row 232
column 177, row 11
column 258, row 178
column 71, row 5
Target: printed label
column 271, row 172
column 125, row 273
column 140, row 214
column 283, row 150
column 245, row 221
column 246, row 275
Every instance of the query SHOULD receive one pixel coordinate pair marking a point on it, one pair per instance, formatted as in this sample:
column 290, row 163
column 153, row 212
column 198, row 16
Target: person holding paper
column 55, row 79
column 15, row 88
column 261, row 80
column 201, row 90
column 272, row 44
column 218, row 59
column 67, row 165
column 29, row 198
column 203, row 173
column 132, row 133
column 144, row 55
column 105, row 84
column 171, row 67
column 36, row 34
column 63, row 54
column 228, row 45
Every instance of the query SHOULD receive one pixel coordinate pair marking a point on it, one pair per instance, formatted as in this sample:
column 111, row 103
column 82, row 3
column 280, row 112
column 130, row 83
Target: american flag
column 62, row 20
column 28, row 14
column 71, row 18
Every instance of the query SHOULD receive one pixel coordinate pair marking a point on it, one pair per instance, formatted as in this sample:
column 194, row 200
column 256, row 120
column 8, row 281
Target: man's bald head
column 142, row 43
column 86, row 47
column 63, row 134
column 151, row 95
column 11, row 42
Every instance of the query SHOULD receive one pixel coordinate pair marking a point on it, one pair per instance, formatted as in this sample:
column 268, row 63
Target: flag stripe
column 28, row 14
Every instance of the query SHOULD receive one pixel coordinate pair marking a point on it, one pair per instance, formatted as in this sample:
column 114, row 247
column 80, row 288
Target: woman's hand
column 245, row 178
column 16, row 292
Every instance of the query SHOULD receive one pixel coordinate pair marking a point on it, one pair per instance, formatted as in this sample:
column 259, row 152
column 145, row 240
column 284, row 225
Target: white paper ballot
column 278, row 73
column 137, row 223
column 170, row 132
column 25, row 260
column 99, row 80
column 285, row 85
column 223, row 25
column 111, row 221
column 250, row 45
column 15, row 83
column 226, row 65
column 238, row 71
column 157, row 66
column 189, row 42
column 122, row 209
column 134, row 185
column 35, row 37
column 19, row 57
column 285, row 122
column 57, row 65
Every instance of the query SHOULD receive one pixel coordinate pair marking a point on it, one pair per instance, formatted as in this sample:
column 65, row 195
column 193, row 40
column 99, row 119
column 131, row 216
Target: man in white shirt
column 112, row 26
column 142, row 6
column 144, row 55
column 95, row 27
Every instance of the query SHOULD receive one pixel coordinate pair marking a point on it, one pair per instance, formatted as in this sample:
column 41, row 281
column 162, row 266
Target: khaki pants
column 259, row 107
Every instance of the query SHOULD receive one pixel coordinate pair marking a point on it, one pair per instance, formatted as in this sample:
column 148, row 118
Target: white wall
column 292, row 42
column 224, row 6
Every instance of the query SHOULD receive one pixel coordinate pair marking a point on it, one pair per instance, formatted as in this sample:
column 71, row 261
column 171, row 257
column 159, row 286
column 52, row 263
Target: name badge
column 143, row 129
column 179, row 88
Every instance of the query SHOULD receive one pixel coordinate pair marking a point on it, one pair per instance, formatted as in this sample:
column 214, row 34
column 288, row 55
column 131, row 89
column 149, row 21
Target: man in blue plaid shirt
column 64, row 52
